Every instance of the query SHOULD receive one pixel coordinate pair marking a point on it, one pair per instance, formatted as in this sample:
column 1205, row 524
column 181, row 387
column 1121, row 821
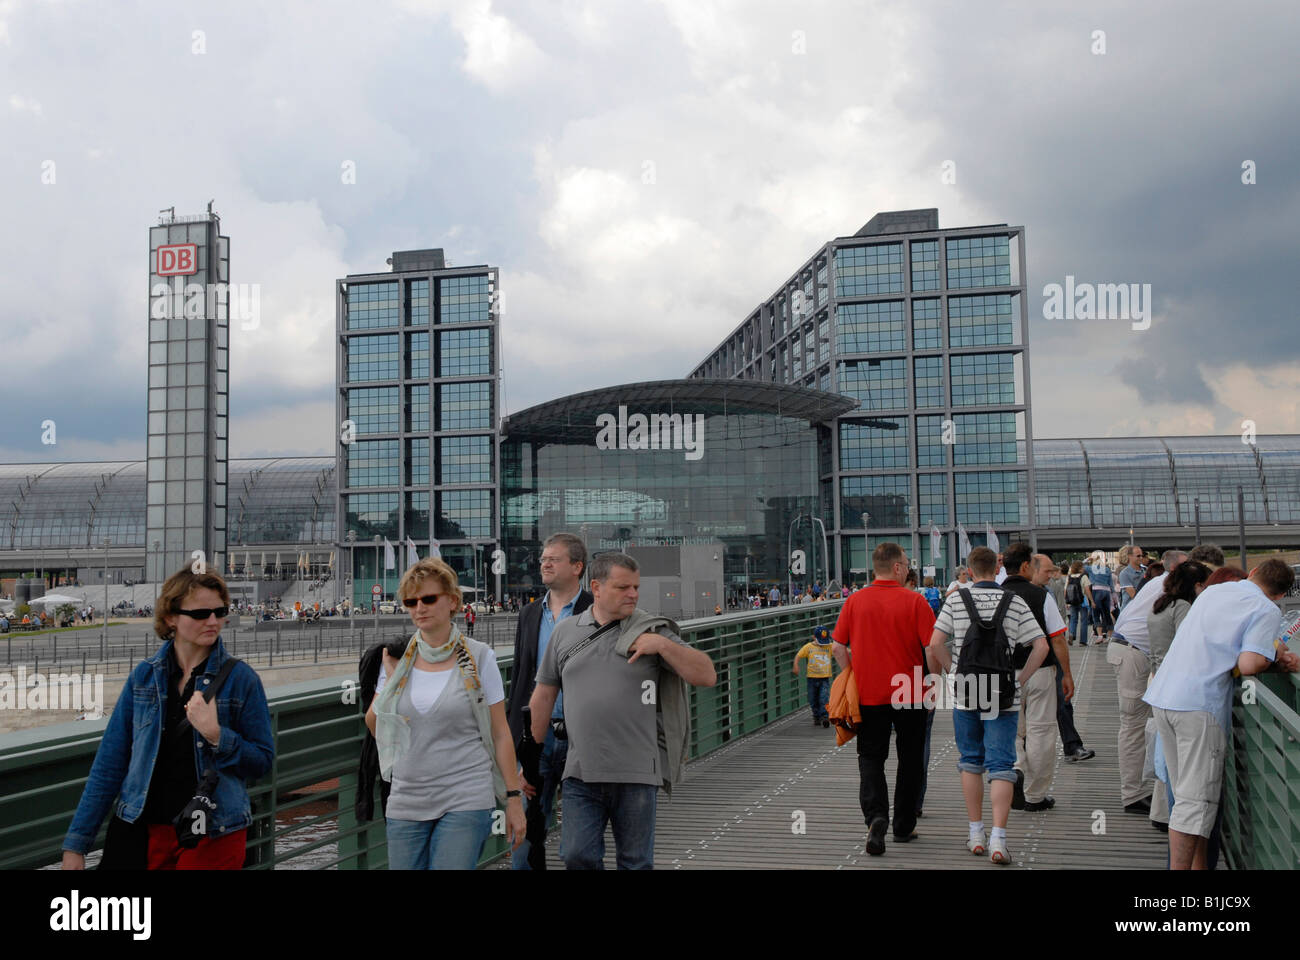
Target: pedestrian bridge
column 765, row 789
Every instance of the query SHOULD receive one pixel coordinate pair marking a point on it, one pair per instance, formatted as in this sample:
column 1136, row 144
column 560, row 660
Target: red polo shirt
column 886, row 628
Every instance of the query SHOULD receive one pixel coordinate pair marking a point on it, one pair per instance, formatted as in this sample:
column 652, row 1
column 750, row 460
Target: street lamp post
column 1196, row 511
column 103, row 634
column 157, row 559
column 866, row 549
column 378, row 539
column 352, row 565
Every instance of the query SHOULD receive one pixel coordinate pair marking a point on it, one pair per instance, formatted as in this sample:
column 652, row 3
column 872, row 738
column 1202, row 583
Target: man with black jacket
column 1036, row 734
column 564, row 557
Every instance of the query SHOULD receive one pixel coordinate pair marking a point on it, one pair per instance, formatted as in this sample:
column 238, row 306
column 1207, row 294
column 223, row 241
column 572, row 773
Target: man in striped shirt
column 986, row 741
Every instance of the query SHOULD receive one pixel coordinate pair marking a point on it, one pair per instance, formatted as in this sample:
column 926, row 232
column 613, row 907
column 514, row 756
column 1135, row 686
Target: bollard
column 83, row 663
column 277, row 636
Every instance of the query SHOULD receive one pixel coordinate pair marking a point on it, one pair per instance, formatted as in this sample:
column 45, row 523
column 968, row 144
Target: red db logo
column 177, row 259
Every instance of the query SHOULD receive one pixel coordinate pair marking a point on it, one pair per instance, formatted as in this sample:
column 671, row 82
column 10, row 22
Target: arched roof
column 682, row 396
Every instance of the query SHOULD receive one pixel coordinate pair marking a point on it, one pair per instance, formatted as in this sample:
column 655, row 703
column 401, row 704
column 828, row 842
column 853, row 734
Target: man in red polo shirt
column 886, row 628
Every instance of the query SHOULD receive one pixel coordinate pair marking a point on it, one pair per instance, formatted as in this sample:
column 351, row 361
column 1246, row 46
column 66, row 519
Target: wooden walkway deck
column 738, row 806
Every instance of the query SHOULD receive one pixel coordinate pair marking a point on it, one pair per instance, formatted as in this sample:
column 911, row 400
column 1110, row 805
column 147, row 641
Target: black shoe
column 903, row 839
column 876, row 836
column 826, row 723
column 1034, row 806
column 1018, row 792
column 1083, row 753
column 1138, row 806
column 1162, row 827
column 920, row 814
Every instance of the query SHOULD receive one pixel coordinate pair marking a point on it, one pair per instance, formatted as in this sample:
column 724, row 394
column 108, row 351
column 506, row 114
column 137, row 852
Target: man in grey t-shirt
column 614, row 766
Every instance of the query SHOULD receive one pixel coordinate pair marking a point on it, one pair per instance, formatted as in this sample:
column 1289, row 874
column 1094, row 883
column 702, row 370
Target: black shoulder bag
column 192, row 823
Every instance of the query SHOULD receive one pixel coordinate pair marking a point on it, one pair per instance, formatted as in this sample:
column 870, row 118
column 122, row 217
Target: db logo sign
column 177, row 259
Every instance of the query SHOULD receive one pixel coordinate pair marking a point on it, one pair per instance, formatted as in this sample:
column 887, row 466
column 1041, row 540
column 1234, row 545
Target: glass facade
column 927, row 325
column 374, row 410
column 884, row 497
column 990, row 320
column 867, row 270
column 925, row 265
column 979, row 262
column 876, row 327
column 757, row 471
column 372, row 306
column 876, row 384
column 873, row 445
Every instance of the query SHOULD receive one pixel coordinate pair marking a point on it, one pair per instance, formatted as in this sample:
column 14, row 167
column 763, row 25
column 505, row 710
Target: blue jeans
column 551, row 766
column 452, row 842
column 1101, row 610
column 1078, row 623
column 925, row 769
column 628, row 807
column 819, row 694
column 986, row 744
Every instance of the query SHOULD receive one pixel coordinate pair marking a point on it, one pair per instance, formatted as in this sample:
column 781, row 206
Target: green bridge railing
column 304, row 809
column 1261, row 788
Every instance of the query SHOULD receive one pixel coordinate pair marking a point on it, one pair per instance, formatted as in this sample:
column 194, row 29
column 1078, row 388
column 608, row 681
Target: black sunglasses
column 429, row 599
column 221, row 613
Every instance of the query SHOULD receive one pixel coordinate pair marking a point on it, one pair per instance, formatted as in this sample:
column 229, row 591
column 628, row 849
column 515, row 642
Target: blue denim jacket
column 124, row 763
column 1101, row 576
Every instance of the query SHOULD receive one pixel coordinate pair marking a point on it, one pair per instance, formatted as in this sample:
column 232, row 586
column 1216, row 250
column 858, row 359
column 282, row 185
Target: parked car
column 388, row 606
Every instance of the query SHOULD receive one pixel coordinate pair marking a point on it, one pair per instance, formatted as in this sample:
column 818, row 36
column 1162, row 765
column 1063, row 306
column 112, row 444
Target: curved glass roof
column 669, row 396
column 46, row 506
column 1154, row 481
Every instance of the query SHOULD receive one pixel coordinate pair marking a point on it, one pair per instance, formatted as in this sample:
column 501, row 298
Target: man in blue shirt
column 564, row 557
column 1130, row 578
column 1231, row 625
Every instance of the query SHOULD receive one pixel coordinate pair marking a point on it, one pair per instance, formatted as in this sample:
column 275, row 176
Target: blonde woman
column 439, row 719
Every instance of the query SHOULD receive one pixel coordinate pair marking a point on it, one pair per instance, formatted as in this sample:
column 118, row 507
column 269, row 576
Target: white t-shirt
column 1002, row 575
column 957, row 585
column 427, row 685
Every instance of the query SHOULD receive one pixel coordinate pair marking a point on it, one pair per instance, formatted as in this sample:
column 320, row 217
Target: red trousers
column 222, row 853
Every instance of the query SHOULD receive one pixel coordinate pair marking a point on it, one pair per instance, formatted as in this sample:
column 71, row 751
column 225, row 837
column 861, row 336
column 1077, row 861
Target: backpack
column 985, row 660
column 932, row 597
column 1074, row 591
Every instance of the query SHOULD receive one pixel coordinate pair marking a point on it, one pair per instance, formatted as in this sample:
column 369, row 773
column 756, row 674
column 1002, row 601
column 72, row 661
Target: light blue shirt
column 544, row 637
column 1225, row 620
column 1128, row 577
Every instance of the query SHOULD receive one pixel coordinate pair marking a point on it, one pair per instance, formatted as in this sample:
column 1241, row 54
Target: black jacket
column 524, row 672
column 368, row 768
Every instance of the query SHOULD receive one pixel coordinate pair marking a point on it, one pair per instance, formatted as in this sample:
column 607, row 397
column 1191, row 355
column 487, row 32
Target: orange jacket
column 843, row 708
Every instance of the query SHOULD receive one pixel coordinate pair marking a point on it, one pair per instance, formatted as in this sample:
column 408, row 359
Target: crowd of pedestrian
column 1184, row 625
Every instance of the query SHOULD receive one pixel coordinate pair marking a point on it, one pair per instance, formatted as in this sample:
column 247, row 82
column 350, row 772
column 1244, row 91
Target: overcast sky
column 644, row 174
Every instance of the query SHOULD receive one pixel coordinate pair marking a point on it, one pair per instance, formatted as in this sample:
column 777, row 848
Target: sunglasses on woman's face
column 221, row 613
column 428, row 600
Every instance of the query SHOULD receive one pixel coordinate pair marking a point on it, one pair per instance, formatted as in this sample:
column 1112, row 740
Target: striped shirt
column 1020, row 625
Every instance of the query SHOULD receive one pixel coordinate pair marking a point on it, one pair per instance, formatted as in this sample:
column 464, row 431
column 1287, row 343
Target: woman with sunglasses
column 439, row 720
column 164, row 736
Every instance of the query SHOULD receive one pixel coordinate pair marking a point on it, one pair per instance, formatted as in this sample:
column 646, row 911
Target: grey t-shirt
column 447, row 767
column 609, row 712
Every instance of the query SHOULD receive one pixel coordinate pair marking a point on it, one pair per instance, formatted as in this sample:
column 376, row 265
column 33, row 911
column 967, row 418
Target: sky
column 644, row 173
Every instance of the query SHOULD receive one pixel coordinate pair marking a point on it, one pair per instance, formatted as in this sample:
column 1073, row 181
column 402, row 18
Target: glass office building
column 927, row 331
column 189, row 361
column 670, row 463
column 418, row 385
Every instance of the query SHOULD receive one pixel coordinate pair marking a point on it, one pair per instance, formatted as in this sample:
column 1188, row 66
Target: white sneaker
column 976, row 845
column 998, row 852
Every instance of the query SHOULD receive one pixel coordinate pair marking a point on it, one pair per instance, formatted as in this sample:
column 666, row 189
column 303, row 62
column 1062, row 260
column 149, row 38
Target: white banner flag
column 390, row 558
column 934, row 544
column 412, row 555
column 963, row 542
column 434, row 550
column 992, row 538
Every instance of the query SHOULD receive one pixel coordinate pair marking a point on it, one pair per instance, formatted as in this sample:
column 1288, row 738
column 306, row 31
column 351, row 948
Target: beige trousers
column 1036, row 733
column 1131, row 672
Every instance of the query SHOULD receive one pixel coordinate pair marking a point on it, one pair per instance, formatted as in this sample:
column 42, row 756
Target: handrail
column 1261, row 786
column 318, row 735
